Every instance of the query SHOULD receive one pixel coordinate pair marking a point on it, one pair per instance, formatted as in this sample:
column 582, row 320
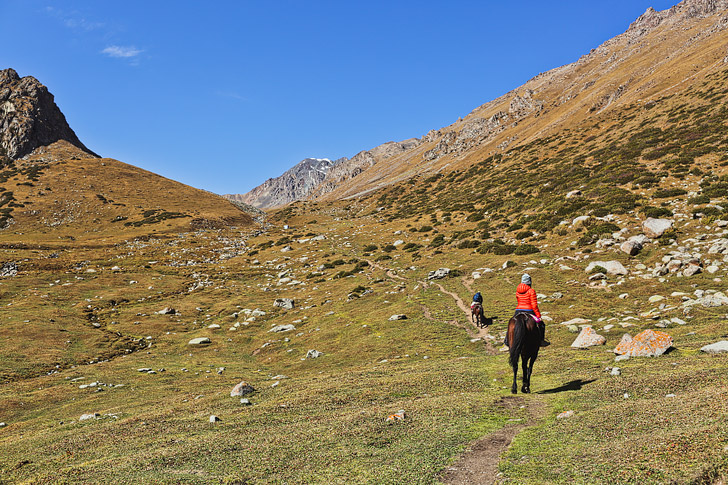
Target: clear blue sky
column 224, row 95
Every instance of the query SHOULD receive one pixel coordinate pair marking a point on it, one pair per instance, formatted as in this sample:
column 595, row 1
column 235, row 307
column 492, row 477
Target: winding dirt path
column 479, row 463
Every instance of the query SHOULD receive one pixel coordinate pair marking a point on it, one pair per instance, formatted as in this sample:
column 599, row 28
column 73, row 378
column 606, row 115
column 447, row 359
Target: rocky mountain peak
column 686, row 9
column 29, row 117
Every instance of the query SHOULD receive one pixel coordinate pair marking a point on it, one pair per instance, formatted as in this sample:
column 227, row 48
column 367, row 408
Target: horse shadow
column 487, row 321
column 574, row 385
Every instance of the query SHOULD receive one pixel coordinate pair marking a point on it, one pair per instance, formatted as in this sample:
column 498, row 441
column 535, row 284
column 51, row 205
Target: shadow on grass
column 569, row 386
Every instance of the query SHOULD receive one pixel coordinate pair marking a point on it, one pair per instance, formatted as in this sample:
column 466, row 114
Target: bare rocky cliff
column 295, row 184
column 30, row 118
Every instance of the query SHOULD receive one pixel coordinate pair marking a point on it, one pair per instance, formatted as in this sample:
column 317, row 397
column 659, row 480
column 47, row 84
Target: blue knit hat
column 526, row 279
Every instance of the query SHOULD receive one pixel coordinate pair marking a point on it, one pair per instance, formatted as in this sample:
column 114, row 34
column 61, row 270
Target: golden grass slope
column 638, row 67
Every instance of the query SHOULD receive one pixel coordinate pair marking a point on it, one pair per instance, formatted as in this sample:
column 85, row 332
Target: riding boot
column 542, row 328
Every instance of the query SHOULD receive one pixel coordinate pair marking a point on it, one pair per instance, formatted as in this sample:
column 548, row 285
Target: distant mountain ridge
column 30, row 118
column 660, row 52
column 294, row 184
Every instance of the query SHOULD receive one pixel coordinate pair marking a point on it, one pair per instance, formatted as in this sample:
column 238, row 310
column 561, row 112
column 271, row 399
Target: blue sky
column 224, row 95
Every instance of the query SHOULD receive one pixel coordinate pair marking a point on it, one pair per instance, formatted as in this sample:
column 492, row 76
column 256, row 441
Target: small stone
column 626, row 395
column 84, row 417
column 670, row 395
column 620, row 358
column 313, row 354
column 285, row 303
column 438, row 274
column 398, row 317
column 213, row 326
column 656, row 298
column 623, row 296
column 655, row 228
column 616, row 371
column 245, row 402
column 2, row 425
column 565, row 414
column 573, row 329
column 214, row 419
column 167, row 311
column 398, row 416
column 282, row 328
column 200, row 341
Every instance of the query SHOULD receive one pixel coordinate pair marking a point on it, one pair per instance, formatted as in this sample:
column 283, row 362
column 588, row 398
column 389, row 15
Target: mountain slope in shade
column 295, row 184
column 30, row 118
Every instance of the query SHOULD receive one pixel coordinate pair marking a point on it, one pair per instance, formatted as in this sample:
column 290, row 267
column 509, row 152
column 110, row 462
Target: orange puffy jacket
column 526, row 298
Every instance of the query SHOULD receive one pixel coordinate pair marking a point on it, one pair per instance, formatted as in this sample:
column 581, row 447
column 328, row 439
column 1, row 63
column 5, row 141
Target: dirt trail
column 479, row 464
column 473, row 331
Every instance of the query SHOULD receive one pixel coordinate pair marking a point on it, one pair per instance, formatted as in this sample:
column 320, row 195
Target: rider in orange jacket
column 528, row 303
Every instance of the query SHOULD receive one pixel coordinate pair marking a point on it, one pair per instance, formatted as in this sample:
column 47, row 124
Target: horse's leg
column 524, row 362
column 530, row 370
column 514, row 387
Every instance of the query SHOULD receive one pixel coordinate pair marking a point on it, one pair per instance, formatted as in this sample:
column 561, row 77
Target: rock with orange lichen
column 649, row 343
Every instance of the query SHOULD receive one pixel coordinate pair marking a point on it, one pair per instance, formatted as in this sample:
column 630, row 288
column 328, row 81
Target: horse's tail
column 519, row 339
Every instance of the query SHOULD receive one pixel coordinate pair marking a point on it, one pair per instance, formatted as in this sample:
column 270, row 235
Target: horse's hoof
column 514, row 391
column 526, row 390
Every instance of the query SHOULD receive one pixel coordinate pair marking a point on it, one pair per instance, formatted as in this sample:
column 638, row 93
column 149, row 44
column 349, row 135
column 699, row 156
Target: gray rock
column 282, row 328
column 84, row 417
column 716, row 348
column 313, row 354
column 573, row 193
column 167, row 311
column 245, row 402
column 640, row 238
column 9, row 270
column 714, row 300
column 438, row 274
column 398, row 317
column 655, row 228
column 691, row 269
column 616, row 371
column 214, row 419
column 29, row 117
column 614, row 268
column 588, row 338
column 631, row 247
column 200, row 341
column 242, row 389
column 597, row 277
column 2, row 425
column 285, row 303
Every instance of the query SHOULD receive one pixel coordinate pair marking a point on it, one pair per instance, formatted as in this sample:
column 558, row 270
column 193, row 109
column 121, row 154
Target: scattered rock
column 398, row 416
column 565, row 414
column 691, row 269
column 438, row 274
column 167, row 311
column 576, row 321
column 282, row 328
column 648, row 343
column 573, row 329
column 631, row 247
column 285, row 303
column 588, row 338
column 656, row 298
column 245, row 402
column 398, row 317
column 2, row 425
column 573, row 193
column 716, row 348
column 8, row 270
column 214, row 419
column 84, row 417
column 655, row 228
column 213, row 326
column 613, row 267
column 242, row 389
column 313, row 354
column 616, row 371
column 200, row 341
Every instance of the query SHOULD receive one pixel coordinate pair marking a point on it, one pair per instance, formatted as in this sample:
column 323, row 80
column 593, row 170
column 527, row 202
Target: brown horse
column 524, row 338
column 476, row 315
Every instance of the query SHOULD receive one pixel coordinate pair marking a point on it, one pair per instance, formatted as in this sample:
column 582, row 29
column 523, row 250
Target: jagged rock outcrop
column 350, row 168
column 29, row 117
column 295, row 184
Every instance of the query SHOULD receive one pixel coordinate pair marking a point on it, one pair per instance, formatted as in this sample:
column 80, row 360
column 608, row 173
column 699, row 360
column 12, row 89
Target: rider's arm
column 534, row 303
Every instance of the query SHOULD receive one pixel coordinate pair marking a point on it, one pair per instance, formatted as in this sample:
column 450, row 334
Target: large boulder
column 285, row 303
column 716, row 348
column 8, row 270
column 242, row 389
column 649, row 343
column 438, row 274
column 612, row 267
column 588, row 338
column 631, row 247
column 655, row 228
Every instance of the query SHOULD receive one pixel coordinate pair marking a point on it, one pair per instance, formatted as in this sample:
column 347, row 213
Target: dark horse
column 476, row 314
column 524, row 338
